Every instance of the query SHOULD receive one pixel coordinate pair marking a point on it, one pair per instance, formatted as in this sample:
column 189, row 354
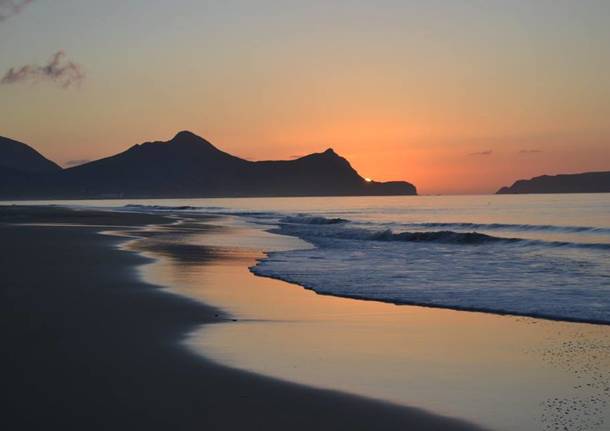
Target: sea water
column 539, row 255
column 534, row 255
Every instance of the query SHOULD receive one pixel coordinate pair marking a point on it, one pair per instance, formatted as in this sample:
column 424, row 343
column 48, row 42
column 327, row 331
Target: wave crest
column 316, row 229
column 315, row 220
column 515, row 227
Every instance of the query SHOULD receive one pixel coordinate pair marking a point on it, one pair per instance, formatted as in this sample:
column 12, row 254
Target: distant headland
column 588, row 182
column 187, row 166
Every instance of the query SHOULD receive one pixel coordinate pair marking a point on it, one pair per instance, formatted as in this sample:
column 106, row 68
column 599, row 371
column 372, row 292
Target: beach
column 305, row 216
column 90, row 345
column 500, row 371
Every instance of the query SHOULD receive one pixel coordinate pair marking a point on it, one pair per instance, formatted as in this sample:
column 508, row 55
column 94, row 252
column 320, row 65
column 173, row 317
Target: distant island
column 187, row 166
column 588, row 182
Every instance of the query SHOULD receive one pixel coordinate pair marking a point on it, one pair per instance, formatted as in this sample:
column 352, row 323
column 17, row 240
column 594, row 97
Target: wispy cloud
column 8, row 8
column 71, row 163
column 481, row 153
column 58, row 70
column 530, row 151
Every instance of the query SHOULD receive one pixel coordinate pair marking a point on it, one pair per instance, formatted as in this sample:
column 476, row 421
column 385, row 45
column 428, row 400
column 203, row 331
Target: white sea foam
column 463, row 270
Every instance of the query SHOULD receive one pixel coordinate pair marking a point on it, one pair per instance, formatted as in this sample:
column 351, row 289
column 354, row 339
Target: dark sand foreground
column 88, row 346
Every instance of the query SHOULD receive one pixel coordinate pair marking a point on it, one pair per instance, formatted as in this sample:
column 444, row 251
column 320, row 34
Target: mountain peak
column 185, row 134
column 330, row 152
column 186, row 137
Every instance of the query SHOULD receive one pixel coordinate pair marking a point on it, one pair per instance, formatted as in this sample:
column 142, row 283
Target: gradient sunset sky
column 454, row 96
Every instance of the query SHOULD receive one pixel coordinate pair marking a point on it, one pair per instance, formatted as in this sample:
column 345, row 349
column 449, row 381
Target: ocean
column 532, row 255
column 520, row 255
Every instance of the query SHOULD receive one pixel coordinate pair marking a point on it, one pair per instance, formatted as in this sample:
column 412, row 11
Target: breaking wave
column 448, row 268
column 515, row 227
column 311, row 228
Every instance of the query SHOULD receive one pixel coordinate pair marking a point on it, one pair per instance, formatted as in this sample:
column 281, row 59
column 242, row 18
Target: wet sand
column 88, row 345
column 505, row 372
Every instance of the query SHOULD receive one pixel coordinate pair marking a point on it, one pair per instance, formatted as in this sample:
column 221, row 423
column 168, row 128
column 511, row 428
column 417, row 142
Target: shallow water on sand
column 534, row 255
column 503, row 372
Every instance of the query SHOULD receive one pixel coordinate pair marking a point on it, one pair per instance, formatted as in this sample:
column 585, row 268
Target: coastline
column 454, row 363
column 91, row 345
column 537, row 316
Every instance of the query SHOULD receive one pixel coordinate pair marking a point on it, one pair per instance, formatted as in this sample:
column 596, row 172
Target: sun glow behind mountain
column 447, row 95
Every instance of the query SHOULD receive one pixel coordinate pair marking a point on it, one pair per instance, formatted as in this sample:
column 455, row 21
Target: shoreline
column 284, row 333
column 435, row 306
column 92, row 346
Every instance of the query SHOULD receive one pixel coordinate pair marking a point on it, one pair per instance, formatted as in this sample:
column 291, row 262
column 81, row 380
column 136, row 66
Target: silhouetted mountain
column 22, row 168
column 189, row 166
column 19, row 157
column 589, row 182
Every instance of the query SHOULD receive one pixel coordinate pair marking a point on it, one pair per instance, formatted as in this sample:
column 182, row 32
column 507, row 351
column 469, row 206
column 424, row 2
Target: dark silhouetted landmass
column 189, row 166
column 589, row 182
column 20, row 158
column 22, row 168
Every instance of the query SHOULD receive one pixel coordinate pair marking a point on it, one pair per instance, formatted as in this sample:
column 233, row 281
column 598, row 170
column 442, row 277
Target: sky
column 454, row 96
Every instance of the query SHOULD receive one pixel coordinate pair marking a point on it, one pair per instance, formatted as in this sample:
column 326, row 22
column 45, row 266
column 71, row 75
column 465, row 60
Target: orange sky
column 456, row 98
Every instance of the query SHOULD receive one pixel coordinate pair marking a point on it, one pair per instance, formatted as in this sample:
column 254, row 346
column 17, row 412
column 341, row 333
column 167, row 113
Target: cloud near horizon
column 530, row 151
column 481, row 153
column 9, row 8
column 57, row 70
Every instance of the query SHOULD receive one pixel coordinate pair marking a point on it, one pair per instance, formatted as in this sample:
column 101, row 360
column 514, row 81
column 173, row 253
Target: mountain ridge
column 188, row 166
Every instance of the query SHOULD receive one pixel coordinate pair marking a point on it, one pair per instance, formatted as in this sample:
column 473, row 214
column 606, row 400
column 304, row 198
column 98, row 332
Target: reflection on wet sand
column 500, row 371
